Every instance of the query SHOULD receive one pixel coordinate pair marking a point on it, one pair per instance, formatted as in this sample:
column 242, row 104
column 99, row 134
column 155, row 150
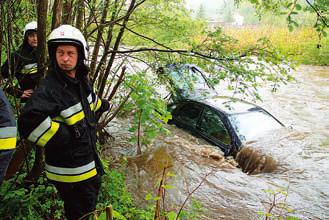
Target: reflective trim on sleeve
column 71, row 179
column 8, row 132
column 30, row 68
column 44, row 132
column 48, row 135
column 98, row 104
column 7, row 143
column 38, row 131
column 90, row 98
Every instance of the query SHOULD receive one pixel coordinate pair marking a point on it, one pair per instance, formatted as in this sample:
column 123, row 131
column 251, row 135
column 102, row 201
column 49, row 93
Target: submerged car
column 223, row 121
column 186, row 81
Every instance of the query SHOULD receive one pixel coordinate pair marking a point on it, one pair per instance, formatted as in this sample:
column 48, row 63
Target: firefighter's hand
column 27, row 93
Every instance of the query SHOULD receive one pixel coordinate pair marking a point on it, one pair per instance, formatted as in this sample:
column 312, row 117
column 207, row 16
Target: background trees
column 131, row 38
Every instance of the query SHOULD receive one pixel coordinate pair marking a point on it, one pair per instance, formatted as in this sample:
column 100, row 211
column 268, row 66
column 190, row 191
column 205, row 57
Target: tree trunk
column 67, row 12
column 1, row 33
column 139, row 133
column 108, row 42
column 57, row 13
column 42, row 8
column 81, row 11
column 103, row 78
column 99, row 38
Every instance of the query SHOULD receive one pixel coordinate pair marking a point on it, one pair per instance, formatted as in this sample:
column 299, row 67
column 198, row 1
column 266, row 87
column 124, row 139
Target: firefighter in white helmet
column 60, row 116
column 23, row 65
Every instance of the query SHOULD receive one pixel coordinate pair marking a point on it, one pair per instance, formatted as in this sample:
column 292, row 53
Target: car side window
column 189, row 113
column 212, row 125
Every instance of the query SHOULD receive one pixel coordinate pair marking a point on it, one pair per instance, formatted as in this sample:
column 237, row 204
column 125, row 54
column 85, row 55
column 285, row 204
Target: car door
column 212, row 127
column 187, row 114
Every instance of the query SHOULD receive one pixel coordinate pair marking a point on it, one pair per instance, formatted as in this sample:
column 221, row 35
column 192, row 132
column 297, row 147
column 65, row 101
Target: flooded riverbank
column 301, row 149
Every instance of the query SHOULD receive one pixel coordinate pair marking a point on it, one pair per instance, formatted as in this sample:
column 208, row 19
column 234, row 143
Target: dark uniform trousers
column 79, row 198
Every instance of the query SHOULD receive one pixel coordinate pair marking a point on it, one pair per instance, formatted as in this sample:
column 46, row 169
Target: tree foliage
column 291, row 9
column 130, row 39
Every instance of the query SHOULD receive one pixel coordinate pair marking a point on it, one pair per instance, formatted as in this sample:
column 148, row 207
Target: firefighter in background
column 23, row 66
column 61, row 117
column 7, row 134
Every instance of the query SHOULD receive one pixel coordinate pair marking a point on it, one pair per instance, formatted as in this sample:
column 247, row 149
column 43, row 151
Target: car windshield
column 250, row 125
column 189, row 81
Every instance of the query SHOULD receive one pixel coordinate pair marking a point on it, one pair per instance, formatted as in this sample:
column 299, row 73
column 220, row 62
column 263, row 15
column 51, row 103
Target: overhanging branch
column 318, row 13
column 185, row 52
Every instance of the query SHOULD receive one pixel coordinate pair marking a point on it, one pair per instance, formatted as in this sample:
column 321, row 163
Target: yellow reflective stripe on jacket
column 7, row 143
column 75, row 118
column 98, row 104
column 91, row 106
column 8, row 138
column 71, row 115
column 90, row 101
column 44, row 132
column 30, row 68
column 73, row 178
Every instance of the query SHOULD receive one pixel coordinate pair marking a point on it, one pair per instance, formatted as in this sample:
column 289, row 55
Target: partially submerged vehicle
column 223, row 121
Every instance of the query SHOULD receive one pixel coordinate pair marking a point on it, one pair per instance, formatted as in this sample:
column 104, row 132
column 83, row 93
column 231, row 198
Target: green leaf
column 102, row 216
column 171, row 215
column 168, row 187
column 118, row 215
column 292, row 218
column 298, row 7
column 148, row 197
column 170, row 174
column 156, row 198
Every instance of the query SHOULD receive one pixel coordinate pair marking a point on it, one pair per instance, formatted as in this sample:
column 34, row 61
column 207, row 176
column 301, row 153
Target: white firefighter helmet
column 32, row 26
column 70, row 35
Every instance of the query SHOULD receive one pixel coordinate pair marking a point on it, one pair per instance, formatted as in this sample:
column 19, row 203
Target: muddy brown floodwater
column 301, row 151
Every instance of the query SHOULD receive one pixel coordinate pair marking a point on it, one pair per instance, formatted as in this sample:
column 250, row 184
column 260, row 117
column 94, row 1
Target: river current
column 301, row 151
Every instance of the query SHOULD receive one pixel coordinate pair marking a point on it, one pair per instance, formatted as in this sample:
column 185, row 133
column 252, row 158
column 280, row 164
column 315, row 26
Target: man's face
column 32, row 39
column 67, row 57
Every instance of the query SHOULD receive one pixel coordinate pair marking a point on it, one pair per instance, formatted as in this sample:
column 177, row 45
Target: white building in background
column 238, row 19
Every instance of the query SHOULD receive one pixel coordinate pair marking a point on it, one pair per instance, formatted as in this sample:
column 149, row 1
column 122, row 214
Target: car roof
column 229, row 105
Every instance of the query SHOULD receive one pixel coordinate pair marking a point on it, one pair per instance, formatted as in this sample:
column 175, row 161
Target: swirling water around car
column 301, row 150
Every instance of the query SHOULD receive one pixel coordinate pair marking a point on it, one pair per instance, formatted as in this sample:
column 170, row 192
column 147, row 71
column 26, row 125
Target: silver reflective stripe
column 90, row 98
column 70, row 171
column 42, row 128
column 30, row 66
column 72, row 110
column 7, row 132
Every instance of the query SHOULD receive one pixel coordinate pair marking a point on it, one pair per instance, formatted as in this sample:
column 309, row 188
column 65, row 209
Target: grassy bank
column 301, row 43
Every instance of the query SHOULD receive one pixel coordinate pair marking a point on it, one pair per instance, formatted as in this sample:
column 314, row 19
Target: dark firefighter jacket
column 23, row 66
column 60, row 116
column 7, row 124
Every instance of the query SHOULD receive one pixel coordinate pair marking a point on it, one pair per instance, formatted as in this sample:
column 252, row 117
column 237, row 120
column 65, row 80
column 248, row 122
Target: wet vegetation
column 299, row 44
column 130, row 39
